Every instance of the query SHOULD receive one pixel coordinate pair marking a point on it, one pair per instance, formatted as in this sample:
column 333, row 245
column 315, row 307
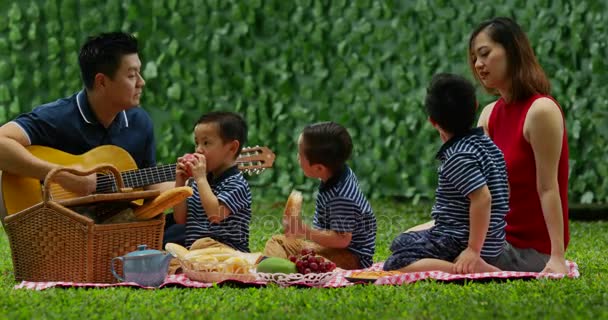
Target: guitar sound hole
column 106, row 183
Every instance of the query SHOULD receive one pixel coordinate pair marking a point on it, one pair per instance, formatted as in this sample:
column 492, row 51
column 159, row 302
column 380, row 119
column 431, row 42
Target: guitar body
column 19, row 192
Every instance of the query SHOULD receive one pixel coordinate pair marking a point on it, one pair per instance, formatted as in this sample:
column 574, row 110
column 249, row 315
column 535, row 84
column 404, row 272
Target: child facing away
column 220, row 206
column 472, row 196
column 344, row 225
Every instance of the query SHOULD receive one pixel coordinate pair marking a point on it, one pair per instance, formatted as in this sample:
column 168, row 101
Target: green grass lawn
column 586, row 297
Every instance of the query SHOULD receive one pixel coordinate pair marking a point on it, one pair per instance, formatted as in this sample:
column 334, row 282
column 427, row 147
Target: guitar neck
column 137, row 178
column 251, row 160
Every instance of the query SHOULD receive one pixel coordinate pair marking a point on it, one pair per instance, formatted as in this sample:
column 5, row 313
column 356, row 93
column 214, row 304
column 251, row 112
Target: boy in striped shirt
column 472, row 194
column 344, row 225
column 220, row 207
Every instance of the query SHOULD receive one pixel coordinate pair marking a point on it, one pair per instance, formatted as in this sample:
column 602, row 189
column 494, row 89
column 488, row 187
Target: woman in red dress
column 528, row 126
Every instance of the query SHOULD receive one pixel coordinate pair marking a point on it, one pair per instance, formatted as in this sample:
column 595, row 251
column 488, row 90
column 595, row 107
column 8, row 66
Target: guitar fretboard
column 138, row 178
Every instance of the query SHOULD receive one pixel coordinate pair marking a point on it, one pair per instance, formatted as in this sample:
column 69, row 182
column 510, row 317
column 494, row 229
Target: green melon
column 276, row 265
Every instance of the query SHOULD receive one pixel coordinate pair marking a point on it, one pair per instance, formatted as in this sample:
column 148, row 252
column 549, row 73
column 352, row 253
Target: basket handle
column 52, row 175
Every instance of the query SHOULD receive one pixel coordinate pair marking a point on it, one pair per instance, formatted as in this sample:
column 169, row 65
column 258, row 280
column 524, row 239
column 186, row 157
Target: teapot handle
column 114, row 272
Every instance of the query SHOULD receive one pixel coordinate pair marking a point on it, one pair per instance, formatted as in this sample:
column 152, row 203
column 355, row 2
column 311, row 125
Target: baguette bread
column 176, row 250
column 217, row 251
column 293, row 207
column 167, row 199
column 207, row 242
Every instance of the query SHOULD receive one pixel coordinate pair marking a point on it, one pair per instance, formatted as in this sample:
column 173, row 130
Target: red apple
column 188, row 158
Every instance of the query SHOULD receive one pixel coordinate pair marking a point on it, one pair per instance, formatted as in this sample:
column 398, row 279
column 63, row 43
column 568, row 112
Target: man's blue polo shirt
column 70, row 125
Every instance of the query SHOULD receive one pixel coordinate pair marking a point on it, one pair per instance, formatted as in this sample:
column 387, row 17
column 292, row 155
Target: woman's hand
column 556, row 265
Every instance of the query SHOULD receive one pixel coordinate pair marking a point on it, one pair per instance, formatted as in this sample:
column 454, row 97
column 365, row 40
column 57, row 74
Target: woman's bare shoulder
column 544, row 110
column 544, row 105
column 544, row 118
column 484, row 117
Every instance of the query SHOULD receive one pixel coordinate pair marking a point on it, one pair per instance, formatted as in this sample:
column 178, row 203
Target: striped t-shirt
column 468, row 163
column 342, row 207
column 232, row 190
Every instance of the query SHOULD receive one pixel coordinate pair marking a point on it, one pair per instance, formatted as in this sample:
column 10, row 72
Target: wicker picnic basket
column 52, row 242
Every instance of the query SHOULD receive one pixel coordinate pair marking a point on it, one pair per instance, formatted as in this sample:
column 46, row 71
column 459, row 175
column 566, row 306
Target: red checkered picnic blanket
column 339, row 280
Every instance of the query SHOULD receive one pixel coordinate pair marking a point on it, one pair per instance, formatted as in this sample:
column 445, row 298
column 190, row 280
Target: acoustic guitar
column 20, row 192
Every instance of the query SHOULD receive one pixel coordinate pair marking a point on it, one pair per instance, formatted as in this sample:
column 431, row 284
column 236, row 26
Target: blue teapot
column 146, row 267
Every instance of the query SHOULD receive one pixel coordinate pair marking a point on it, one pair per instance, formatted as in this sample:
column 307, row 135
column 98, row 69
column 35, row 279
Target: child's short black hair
column 451, row 103
column 103, row 54
column 327, row 143
column 231, row 126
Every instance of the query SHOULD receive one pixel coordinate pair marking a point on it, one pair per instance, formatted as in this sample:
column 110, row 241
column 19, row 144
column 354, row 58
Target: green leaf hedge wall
column 284, row 64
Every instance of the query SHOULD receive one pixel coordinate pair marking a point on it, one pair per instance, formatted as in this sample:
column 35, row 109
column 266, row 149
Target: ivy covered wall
column 287, row 63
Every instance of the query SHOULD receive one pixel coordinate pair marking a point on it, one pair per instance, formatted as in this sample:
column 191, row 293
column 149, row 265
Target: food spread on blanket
column 214, row 259
column 306, row 262
column 223, row 259
column 210, row 256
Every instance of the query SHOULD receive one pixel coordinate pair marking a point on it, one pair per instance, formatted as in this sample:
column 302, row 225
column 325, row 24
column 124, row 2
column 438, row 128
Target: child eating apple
column 220, row 207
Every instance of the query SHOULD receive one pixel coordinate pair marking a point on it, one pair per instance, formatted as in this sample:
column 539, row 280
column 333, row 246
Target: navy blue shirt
column 342, row 207
column 70, row 125
column 232, row 190
column 469, row 162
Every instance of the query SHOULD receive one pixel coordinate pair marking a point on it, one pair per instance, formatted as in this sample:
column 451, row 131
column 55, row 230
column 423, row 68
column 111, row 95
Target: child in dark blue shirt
column 220, row 207
column 472, row 195
column 344, row 225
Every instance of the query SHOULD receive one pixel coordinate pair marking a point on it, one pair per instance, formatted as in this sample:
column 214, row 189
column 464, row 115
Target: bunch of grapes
column 308, row 262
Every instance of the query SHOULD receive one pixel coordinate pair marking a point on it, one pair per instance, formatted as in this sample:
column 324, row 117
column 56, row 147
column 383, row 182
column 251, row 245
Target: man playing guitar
column 100, row 124
column 104, row 112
